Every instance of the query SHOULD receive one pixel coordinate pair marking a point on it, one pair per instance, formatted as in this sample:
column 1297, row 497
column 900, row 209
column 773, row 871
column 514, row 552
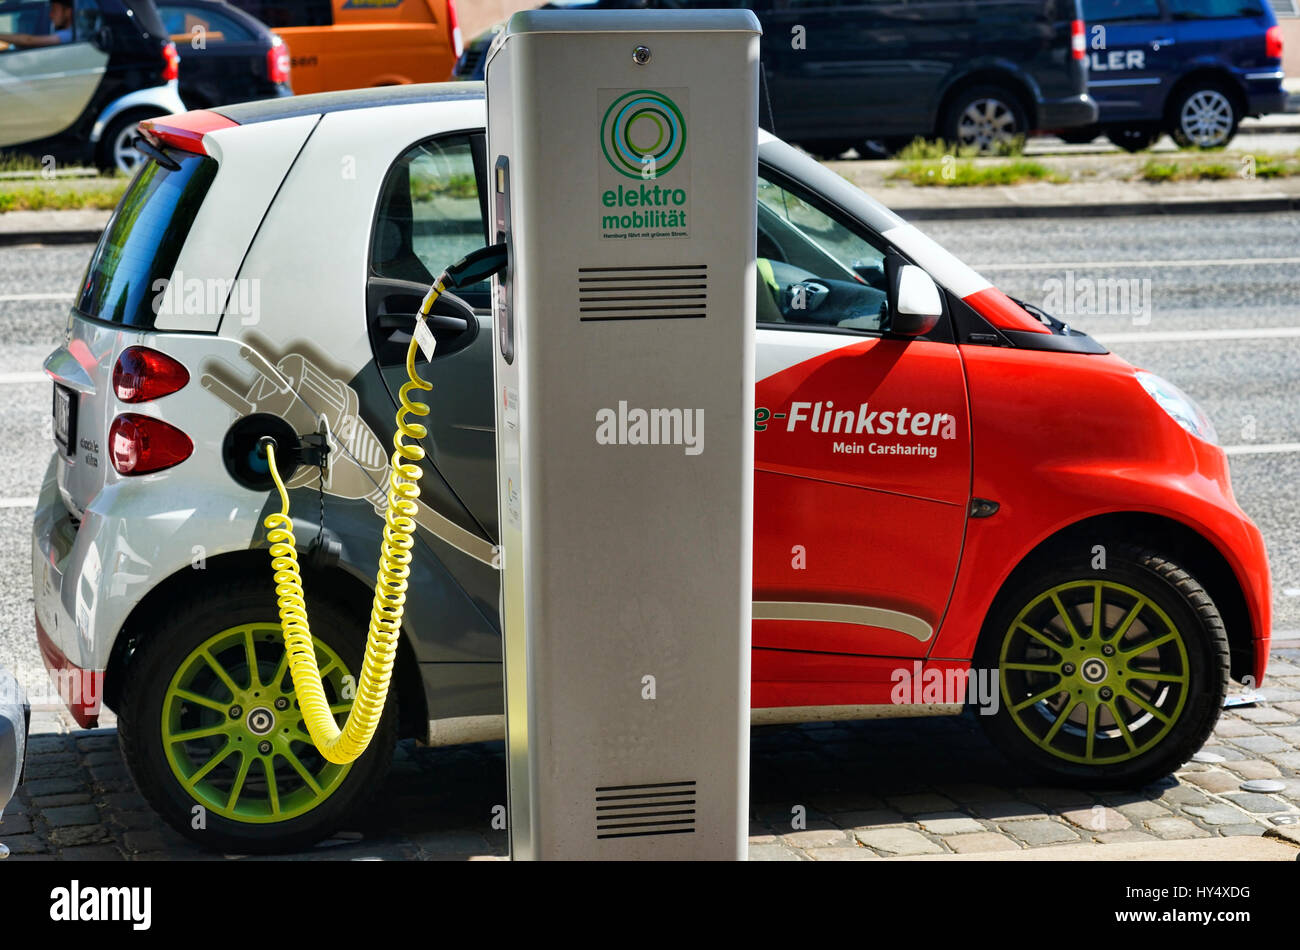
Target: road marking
column 19, row 298
column 22, row 379
column 1080, row 265
column 1263, row 448
column 1198, row 336
column 17, row 502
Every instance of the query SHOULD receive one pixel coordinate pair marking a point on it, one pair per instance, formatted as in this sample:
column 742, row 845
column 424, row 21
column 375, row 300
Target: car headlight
column 1180, row 406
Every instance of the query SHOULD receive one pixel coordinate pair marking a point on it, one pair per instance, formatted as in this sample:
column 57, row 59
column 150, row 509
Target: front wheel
column 1110, row 675
column 212, row 734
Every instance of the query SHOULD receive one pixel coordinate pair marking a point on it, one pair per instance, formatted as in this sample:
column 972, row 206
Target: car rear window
column 138, row 250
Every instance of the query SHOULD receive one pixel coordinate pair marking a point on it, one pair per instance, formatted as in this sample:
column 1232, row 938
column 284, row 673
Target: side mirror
column 915, row 304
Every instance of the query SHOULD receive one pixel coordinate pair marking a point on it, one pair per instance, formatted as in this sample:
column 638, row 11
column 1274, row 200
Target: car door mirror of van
column 915, row 304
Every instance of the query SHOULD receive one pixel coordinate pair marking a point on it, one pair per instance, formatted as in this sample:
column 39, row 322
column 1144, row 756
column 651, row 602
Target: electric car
column 983, row 489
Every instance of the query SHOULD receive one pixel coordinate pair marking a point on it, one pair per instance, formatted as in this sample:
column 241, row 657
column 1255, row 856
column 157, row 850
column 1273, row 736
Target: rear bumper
column 1067, row 113
column 66, row 640
column 1264, row 97
column 14, row 724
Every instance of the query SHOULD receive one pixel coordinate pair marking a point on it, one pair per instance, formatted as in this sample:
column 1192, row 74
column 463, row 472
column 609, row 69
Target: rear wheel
column 1110, row 677
column 1133, row 138
column 213, row 736
column 117, row 151
column 983, row 117
column 1204, row 115
column 1082, row 135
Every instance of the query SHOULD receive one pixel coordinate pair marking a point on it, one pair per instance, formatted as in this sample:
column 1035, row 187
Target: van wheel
column 1133, row 138
column 1110, row 677
column 1204, row 115
column 1080, row 135
column 211, row 730
column 983, row 117
column 116, row 152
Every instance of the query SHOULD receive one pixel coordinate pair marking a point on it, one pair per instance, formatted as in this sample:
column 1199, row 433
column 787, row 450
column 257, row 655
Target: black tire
column 107, row 159
column 983, row 115
column 1082, row 135
column 1203, row 115
column 173, row 639
column 1133, row 138
column 1155, row 747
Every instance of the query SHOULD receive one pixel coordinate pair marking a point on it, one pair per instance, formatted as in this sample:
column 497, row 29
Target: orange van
column 349, row 44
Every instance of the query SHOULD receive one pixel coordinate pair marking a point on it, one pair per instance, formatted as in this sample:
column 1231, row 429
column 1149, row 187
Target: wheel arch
column 222, row 568
column 1210, row 75
column 1173, row 538
column 989, row 75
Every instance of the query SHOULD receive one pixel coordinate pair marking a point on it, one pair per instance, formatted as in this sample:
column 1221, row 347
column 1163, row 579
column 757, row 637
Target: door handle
column 1162, row 41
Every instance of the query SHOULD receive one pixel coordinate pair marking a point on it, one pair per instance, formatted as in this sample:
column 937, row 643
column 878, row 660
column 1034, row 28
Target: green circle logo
column 640, row 130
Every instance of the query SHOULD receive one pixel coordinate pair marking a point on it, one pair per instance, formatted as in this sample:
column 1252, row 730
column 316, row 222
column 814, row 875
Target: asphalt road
column 1215, row 311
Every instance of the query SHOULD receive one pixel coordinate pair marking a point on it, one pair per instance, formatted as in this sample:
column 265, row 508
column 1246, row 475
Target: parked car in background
column 351, row 44
column 226, row 54
column 872, row 75
column 1192, row 68
column 14, row 716
column 77, row 92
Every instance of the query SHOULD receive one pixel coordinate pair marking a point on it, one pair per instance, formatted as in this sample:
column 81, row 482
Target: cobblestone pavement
column 857, row 791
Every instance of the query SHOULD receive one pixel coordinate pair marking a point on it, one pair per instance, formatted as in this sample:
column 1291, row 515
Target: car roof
column 269, row 110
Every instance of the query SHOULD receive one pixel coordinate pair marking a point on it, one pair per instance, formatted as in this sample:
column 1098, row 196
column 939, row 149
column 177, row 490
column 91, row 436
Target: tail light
column 1273, row 42
column 453, row 30
column 1077, row 45
column 171, row 61
column 142, row 374
column 140, row 444
column 277, row 60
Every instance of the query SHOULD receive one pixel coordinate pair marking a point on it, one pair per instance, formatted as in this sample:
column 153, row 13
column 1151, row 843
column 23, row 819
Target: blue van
column 1192, row 68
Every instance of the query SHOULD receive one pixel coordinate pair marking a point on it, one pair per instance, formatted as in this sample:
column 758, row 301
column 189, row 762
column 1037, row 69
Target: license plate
column 65, row 417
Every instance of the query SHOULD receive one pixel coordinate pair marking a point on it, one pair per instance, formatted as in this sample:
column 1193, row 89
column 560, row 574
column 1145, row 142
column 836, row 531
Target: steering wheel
column 800, row 296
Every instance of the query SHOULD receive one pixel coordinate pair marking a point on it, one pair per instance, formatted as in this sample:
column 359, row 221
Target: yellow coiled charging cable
column 344, row 745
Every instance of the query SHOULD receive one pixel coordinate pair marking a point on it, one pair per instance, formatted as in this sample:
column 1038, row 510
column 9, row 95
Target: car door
column 429, row 216
column 862, row 444
column 1132, row 58
column 44, row 89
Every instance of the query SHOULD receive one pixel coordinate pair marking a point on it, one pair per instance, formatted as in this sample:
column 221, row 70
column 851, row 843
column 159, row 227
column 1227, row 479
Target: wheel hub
column 1094, row 670
column 260, row 721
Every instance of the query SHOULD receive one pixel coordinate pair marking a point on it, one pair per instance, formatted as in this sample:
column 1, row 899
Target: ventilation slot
column 635, row 811
column 671, row 292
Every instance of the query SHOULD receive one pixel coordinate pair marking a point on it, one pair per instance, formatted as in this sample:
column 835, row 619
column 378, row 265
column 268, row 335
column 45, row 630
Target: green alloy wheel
column 1107, row 677
column 212, row 732
column 232, row 731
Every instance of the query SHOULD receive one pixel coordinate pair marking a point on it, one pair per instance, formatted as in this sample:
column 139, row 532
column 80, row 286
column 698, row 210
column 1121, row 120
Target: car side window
column 814, row 268
column 191, row 24
column 429, row 214
column 1115, row 11
column 1213, row 9
column 30, row 18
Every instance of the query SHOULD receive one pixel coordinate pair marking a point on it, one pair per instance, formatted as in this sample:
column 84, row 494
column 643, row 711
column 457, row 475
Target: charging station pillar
column 623, row 158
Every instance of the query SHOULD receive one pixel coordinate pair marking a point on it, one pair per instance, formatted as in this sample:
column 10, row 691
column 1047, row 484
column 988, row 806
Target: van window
column 1213, row 9
column 1112, row 11
column 278, row 14
column 137, row 251
column 429, row 214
